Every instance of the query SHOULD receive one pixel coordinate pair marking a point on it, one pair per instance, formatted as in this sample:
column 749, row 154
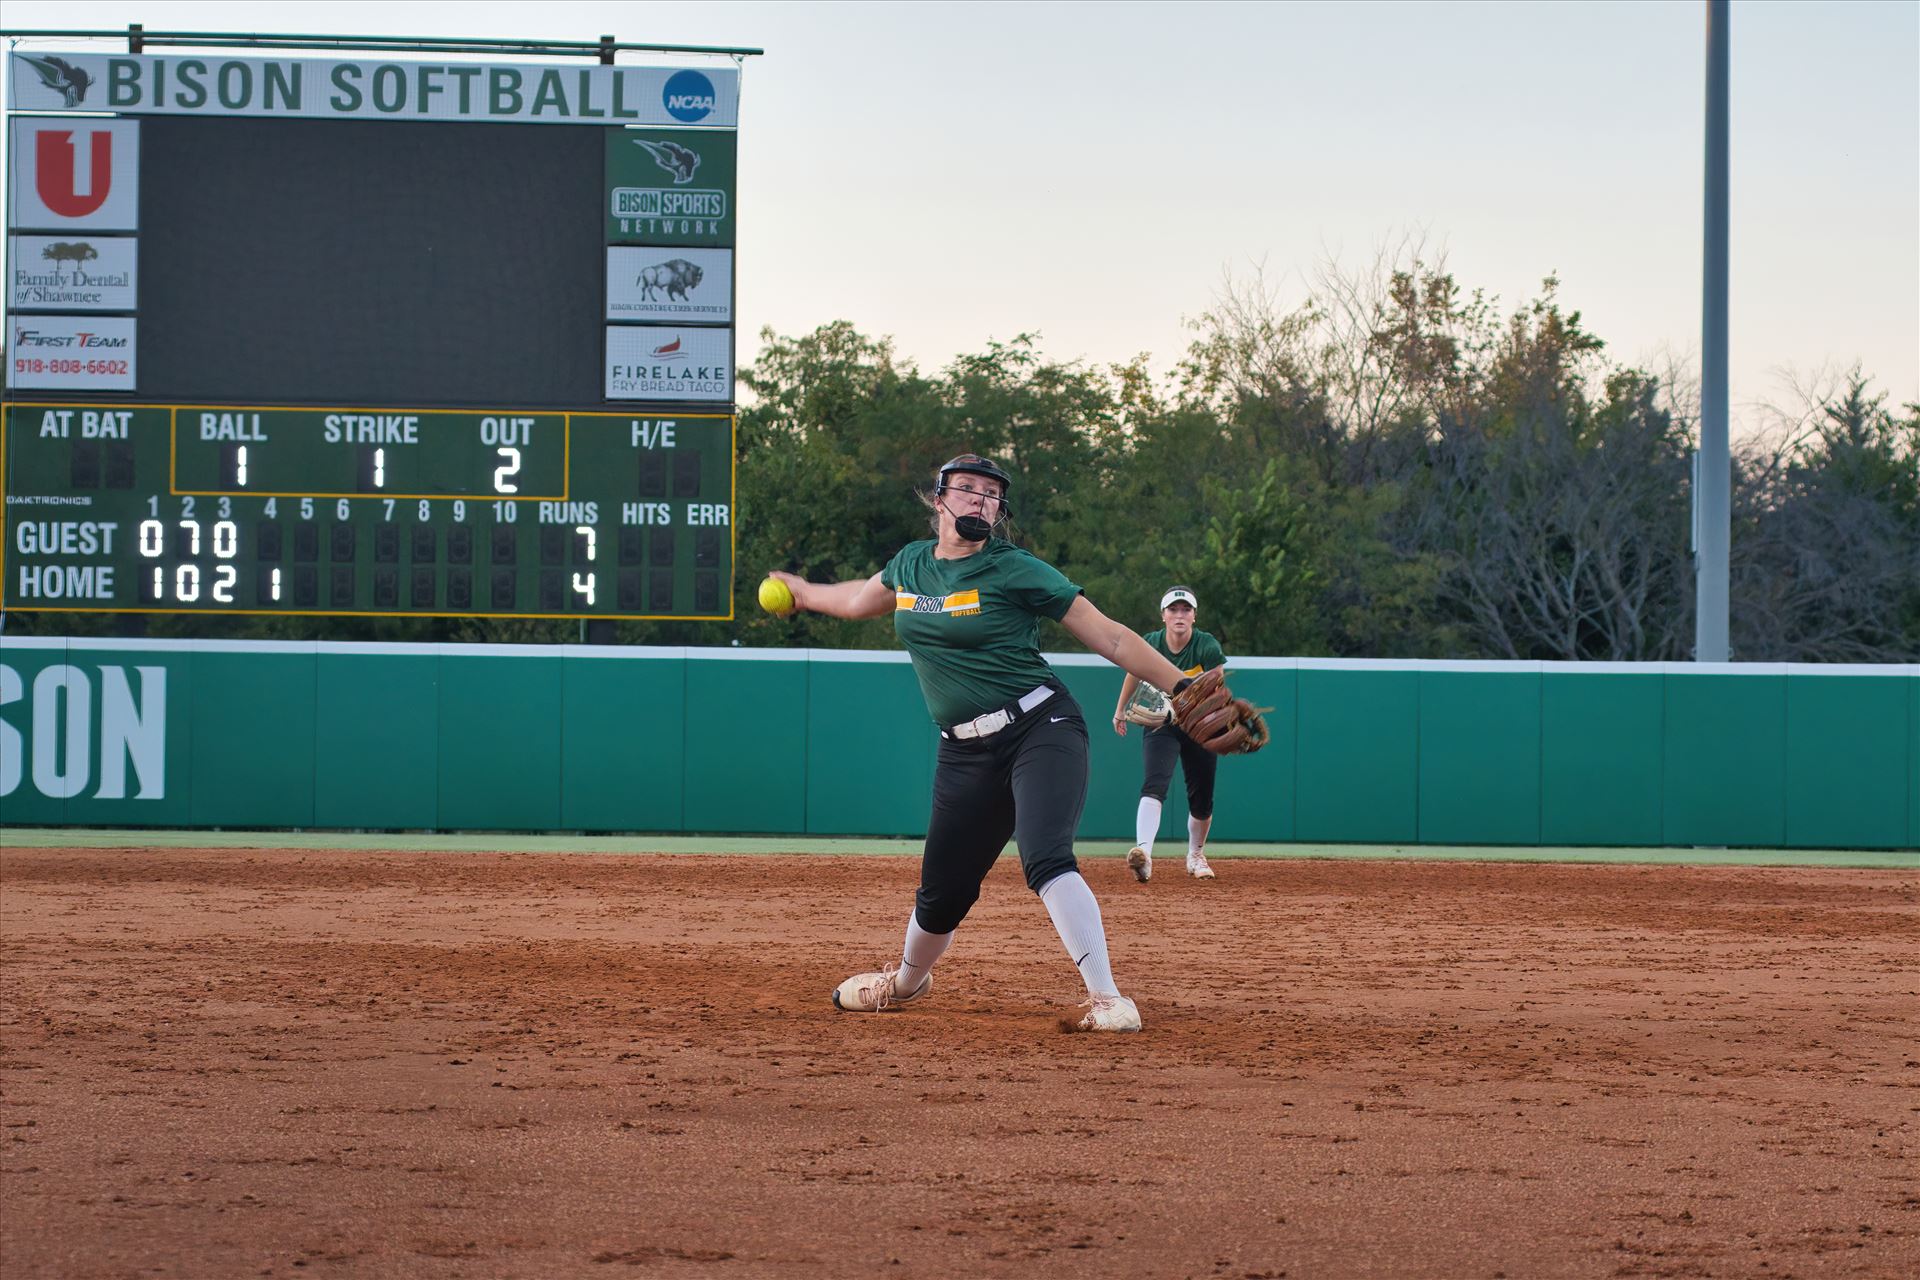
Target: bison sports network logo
column 692, row 212
column 681, row 162
column 689, row 96
column 671, row 188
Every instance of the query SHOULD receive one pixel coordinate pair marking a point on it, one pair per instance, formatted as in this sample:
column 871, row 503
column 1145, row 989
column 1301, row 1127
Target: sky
column 951, row 175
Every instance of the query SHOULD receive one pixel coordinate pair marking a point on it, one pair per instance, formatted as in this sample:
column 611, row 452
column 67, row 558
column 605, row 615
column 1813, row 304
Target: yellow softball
column 775, row 598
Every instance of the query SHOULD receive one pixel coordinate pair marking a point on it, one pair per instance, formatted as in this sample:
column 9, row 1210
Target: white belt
column 994, row 721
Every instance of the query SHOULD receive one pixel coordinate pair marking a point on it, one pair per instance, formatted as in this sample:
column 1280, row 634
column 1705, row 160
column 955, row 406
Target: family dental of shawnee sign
column 359, row 89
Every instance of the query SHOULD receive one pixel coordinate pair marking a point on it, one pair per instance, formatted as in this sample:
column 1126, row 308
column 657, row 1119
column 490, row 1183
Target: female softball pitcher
column 1013, row 745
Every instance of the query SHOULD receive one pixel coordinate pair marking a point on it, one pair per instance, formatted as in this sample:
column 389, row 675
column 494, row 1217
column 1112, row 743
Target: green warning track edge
column 517, row 842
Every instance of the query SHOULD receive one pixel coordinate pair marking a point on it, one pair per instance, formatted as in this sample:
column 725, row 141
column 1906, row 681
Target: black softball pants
column 1029, row 783
column 1197, row 764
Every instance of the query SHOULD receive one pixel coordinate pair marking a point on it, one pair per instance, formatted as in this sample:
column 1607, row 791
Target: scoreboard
column 349, row 510
column 369, row 338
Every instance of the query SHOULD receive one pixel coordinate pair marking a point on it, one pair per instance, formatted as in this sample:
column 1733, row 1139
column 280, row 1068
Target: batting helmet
column 975, row 465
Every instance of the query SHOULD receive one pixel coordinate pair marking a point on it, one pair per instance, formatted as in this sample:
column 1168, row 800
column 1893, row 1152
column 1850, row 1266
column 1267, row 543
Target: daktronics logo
column 36, row 338
column 689, row 96
column 58, row 178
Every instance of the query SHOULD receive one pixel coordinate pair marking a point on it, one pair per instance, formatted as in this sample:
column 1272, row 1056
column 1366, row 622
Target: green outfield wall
column 153, row 733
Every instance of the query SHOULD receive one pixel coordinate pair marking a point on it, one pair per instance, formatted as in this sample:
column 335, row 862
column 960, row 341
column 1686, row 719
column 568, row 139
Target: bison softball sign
column 356, row 89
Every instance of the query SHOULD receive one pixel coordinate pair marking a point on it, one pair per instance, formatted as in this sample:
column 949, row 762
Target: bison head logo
column 65, row 79
column 676, row 275
column 674, row 158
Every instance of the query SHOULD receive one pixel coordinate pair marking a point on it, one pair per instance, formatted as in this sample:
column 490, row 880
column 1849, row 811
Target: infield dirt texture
column 314, row 1062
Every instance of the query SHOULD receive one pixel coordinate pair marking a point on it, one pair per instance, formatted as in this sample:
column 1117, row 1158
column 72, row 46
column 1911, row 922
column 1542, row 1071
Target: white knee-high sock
column 1076, row 917
column 1146, row 823
column 918, row 953
column 1197, row 833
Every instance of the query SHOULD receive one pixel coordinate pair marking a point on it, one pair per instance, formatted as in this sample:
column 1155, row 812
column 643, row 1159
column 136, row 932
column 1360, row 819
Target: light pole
column 1713, row 472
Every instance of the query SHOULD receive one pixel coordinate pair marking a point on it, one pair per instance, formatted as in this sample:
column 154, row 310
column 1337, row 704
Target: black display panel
column 370, row 263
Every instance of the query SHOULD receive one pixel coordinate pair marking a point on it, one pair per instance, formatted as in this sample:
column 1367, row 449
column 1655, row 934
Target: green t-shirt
column 1203, row 652
column 972, row 625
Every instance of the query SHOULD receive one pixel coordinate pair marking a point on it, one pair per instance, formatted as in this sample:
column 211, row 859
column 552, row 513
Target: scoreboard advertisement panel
column 369, row 338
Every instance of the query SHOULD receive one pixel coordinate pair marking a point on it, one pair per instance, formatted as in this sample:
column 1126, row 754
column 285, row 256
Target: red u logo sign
column 56, row 173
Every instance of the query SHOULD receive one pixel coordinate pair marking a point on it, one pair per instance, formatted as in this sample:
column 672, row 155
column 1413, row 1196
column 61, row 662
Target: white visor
column 1179, row 595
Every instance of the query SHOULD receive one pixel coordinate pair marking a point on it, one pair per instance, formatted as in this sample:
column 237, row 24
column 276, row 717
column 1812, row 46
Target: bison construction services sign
column 73, row 273
column 693, row 285
column 357, row 89
column 98, row 732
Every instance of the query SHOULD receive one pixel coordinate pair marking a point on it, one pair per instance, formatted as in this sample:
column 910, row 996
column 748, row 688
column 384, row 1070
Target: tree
column 1826, row 547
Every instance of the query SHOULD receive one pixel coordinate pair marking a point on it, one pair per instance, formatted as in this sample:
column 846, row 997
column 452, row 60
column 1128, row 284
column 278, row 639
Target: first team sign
column 704, row 97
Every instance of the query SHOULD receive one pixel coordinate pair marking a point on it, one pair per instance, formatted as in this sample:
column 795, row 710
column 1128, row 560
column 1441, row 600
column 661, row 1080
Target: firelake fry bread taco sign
column 364, row 89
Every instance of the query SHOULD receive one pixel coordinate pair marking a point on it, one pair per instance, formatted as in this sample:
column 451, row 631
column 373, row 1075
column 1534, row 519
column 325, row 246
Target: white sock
column 1197, row 833
column 1146, row 823
column 917, row 955
column 1076, row 917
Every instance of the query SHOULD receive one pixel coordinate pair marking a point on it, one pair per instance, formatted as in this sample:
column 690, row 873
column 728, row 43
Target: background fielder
column 1191, row 652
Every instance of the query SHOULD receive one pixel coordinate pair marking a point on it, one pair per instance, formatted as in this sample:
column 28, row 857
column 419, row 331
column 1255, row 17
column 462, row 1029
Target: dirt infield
column 301, row 1063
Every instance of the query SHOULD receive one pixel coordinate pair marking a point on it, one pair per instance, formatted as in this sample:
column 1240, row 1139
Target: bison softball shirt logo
column 76, row 174
column 956, row 604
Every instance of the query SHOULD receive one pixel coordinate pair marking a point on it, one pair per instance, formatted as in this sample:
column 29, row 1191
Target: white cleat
column 1109, row 1013
column 1197, row 866
column 1140, row 862
column 875, row 993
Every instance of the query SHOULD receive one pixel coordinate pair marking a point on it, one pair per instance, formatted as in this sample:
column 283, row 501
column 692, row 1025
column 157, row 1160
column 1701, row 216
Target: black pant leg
column 1050, row 791
column 971, row 822
column 1199, row 765
column 1160, row 748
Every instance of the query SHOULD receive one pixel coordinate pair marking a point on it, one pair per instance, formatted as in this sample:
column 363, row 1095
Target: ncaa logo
column 688, row 96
